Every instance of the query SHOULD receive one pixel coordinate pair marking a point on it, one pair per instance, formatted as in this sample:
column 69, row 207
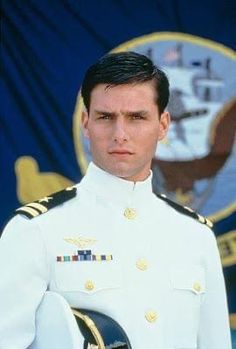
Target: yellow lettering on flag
column 227, row 248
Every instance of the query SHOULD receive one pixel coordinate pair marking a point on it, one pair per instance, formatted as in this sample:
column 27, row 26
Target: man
column 113, row 246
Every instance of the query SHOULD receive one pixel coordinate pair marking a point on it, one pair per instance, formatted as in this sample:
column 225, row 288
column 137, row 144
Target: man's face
column 123, row 127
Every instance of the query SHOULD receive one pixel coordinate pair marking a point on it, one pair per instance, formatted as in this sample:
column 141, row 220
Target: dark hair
column 125, row 68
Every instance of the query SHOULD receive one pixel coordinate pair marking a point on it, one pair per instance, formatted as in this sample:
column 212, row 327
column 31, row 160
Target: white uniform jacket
column 155, row 271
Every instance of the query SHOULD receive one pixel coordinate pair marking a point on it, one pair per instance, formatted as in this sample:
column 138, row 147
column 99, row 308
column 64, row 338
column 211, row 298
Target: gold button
column 197, row 287
column 89, row 285
column 142, row 264
column 151, row 316
column 130, row 213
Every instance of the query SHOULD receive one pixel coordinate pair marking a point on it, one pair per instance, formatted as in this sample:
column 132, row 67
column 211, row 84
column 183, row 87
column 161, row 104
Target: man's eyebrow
column 104, row 112
column 137, row 112
column 126, row 113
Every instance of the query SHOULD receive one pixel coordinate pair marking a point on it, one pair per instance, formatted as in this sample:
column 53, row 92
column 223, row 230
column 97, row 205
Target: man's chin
column 120, row 172
column 126, row 174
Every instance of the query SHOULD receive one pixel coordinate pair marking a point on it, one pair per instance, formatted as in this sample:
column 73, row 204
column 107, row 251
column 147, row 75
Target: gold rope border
column 232, row 320
column 223, row 213
column 163, row 36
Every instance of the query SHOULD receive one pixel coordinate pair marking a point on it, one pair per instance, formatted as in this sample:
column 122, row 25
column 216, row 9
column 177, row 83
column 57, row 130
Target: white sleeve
column 214, row 332
column 24, row 275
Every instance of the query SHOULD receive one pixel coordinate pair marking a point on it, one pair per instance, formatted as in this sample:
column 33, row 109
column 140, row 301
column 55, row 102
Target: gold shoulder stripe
column 201, row 219
column 29, row 210
column 208, row 223
column 186, row 210
column 38, row 206
column 204, row 220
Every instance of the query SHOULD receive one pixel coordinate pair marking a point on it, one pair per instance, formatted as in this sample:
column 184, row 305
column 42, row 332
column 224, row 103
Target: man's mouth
column 120, row 152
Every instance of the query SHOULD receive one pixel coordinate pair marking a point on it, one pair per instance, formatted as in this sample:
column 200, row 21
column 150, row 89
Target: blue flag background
column 46, row 48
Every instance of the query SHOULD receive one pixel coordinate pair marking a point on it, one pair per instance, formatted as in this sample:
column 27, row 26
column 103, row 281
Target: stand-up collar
column 104, row 184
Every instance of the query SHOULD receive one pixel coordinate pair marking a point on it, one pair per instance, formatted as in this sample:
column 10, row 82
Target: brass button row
column 151, row 315
column 142, row 265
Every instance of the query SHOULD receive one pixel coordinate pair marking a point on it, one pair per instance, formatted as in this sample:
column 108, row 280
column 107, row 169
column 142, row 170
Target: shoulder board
column 186, row 210
column 38, row 207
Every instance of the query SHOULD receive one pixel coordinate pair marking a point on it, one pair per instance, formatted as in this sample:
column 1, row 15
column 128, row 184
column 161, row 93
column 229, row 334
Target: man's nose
column 120, row 134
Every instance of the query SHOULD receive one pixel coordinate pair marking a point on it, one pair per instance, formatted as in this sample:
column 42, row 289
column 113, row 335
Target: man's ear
column 164, row 125
column 84, row 123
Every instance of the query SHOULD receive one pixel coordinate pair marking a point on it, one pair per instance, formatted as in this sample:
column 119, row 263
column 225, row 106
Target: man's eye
column 137, row 117
column 105, row 117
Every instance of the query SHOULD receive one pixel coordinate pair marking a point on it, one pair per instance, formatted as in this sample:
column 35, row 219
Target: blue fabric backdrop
column 46, row 48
